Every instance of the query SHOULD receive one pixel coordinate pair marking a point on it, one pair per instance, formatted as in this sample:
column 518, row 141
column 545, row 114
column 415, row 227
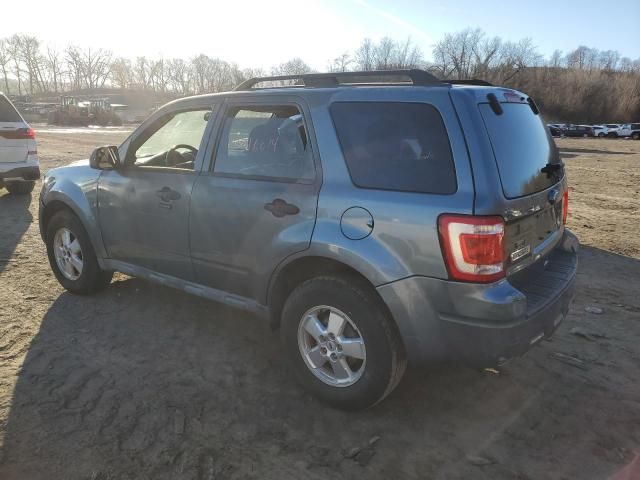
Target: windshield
column 522, row 148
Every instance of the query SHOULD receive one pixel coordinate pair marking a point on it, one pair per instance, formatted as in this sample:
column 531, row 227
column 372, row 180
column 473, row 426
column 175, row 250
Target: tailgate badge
column 519, row 253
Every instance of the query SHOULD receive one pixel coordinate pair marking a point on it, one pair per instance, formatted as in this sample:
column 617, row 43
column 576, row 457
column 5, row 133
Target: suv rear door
column 519, row 175
column 256, row 202
column 14, row 144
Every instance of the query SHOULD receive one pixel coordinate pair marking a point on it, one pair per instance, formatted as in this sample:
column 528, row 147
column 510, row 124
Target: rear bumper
column 29, row 170
column 484, row 325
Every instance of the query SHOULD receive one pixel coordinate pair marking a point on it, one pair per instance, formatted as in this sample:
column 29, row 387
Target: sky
column 262, row 33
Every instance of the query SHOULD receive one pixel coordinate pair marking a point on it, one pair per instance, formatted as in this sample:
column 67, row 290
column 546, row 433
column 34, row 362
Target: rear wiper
column 552, row 168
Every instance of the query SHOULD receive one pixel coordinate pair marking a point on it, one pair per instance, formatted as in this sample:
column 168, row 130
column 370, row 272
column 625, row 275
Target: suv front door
column 256, row 204
column 143, row 206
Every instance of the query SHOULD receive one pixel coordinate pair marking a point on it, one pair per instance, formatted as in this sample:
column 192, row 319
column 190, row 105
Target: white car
column 600, row 130
column 19, row 166
column 630, row 130
column 612, row 129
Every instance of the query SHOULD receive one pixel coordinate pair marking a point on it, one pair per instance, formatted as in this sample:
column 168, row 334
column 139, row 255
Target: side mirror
column 105, row 158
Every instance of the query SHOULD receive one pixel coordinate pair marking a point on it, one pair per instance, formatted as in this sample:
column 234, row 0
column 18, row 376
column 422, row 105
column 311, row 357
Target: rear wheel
column 612, row 135
column 601, row 134
column 72, row 257
column 340, row 342
column 20, row 188
column 635, row 135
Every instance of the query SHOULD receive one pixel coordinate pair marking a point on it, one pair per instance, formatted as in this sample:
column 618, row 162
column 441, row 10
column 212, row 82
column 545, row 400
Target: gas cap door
column 356, row 223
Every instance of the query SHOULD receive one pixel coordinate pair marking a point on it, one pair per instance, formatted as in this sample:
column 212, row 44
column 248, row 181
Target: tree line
column 583, row 85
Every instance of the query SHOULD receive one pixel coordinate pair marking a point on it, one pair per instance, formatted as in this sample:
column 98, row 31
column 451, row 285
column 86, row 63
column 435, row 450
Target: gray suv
column 375, row 218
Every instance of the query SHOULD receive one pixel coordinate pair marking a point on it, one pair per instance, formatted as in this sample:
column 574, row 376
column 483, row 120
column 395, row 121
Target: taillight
column 473, row 247
column 565, row 206
column 19, row 134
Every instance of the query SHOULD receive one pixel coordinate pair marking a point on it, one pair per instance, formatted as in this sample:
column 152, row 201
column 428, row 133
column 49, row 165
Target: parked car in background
column 630, row 130
column 579, row 131
column 415, row 220
column 556, row 129
column 19, row 166
column 600, row 130
column 612, row 129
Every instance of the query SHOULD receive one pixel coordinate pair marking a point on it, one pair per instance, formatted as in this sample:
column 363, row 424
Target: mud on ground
column 141, row 381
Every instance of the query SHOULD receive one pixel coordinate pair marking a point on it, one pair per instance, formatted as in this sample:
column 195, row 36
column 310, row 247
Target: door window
column 265, row 142
column 172, row 142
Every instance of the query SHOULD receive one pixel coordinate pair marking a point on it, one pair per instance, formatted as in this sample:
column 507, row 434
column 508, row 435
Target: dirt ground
column 143, row 382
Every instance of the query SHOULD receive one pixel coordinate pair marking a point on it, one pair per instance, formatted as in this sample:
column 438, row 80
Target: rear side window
column 7, row 111
column 265, row 142
column 395, row 146
column 522, row 148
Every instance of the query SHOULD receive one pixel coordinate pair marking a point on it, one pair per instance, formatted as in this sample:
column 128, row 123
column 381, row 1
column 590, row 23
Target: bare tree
column 5, row 58
column 341, row 63
column 295, row 66
column 365, row 55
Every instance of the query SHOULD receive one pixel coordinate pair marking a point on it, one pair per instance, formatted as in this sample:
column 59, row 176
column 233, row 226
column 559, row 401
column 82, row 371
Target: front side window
column 265, row 142
column 395, row 146
column 173, row 142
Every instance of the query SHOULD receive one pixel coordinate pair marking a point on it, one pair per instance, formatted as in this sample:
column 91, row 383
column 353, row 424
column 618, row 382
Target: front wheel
column 340, row 342
column 601, row 134
column 72, row 257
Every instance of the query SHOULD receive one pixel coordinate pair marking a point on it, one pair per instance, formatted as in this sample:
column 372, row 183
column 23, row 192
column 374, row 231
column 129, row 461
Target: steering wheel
column 174, row 149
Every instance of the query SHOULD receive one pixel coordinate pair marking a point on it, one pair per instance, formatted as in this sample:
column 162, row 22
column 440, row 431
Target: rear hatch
column 531, row 174
column 14, row 134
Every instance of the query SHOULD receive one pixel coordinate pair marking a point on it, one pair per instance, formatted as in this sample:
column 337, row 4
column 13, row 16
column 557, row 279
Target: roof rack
column 415, row 77
column 471, row 81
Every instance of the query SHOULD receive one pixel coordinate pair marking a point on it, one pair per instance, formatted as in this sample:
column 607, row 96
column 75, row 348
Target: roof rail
column 470, row 81
column 415, row 77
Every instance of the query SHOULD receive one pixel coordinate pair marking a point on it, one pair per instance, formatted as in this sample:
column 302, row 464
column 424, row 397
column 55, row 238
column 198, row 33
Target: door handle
column 167, row 195
column 279, row 208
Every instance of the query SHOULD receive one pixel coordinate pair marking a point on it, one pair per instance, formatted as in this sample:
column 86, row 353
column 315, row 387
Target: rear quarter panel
column 404, row 240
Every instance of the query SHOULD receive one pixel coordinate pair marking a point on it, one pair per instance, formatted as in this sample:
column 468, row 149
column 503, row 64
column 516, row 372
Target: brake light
column 473, row 247
column 19, row 134
column 565, row 206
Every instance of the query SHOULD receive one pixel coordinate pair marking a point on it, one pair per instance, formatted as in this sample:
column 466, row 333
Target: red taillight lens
column 565, row 206
column 473, row 247
column 19, row 134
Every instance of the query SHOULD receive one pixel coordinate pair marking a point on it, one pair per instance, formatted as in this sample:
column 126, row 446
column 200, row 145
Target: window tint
column 268, row 141
column 395, row 146
column 174, row 142
column 7, row 112
column 522, row 148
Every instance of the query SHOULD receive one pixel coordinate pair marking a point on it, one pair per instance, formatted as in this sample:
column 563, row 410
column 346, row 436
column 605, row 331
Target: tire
column 601, row 134
column 91, row 277
column 20, row 188
column 377, row 369
column 585, row 135
column 612, row 135
column 635, row 135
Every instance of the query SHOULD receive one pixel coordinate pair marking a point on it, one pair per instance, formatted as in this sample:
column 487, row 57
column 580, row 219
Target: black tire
column 612, row 135
column 20, row 188
column 385, row 356
column 635, row 135
column 601, row 134
column 92, row 278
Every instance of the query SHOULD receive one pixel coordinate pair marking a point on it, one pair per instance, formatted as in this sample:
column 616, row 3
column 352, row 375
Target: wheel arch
column 294, row 272
column 59, row 201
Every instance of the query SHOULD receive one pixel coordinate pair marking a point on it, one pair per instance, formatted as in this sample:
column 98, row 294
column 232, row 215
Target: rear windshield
column 522, row 147
column 395, row 146
column 7, row 112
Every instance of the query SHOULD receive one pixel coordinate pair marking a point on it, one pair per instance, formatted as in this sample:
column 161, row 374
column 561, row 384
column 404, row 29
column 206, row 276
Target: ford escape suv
column 376, row 218
column 19, row 166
